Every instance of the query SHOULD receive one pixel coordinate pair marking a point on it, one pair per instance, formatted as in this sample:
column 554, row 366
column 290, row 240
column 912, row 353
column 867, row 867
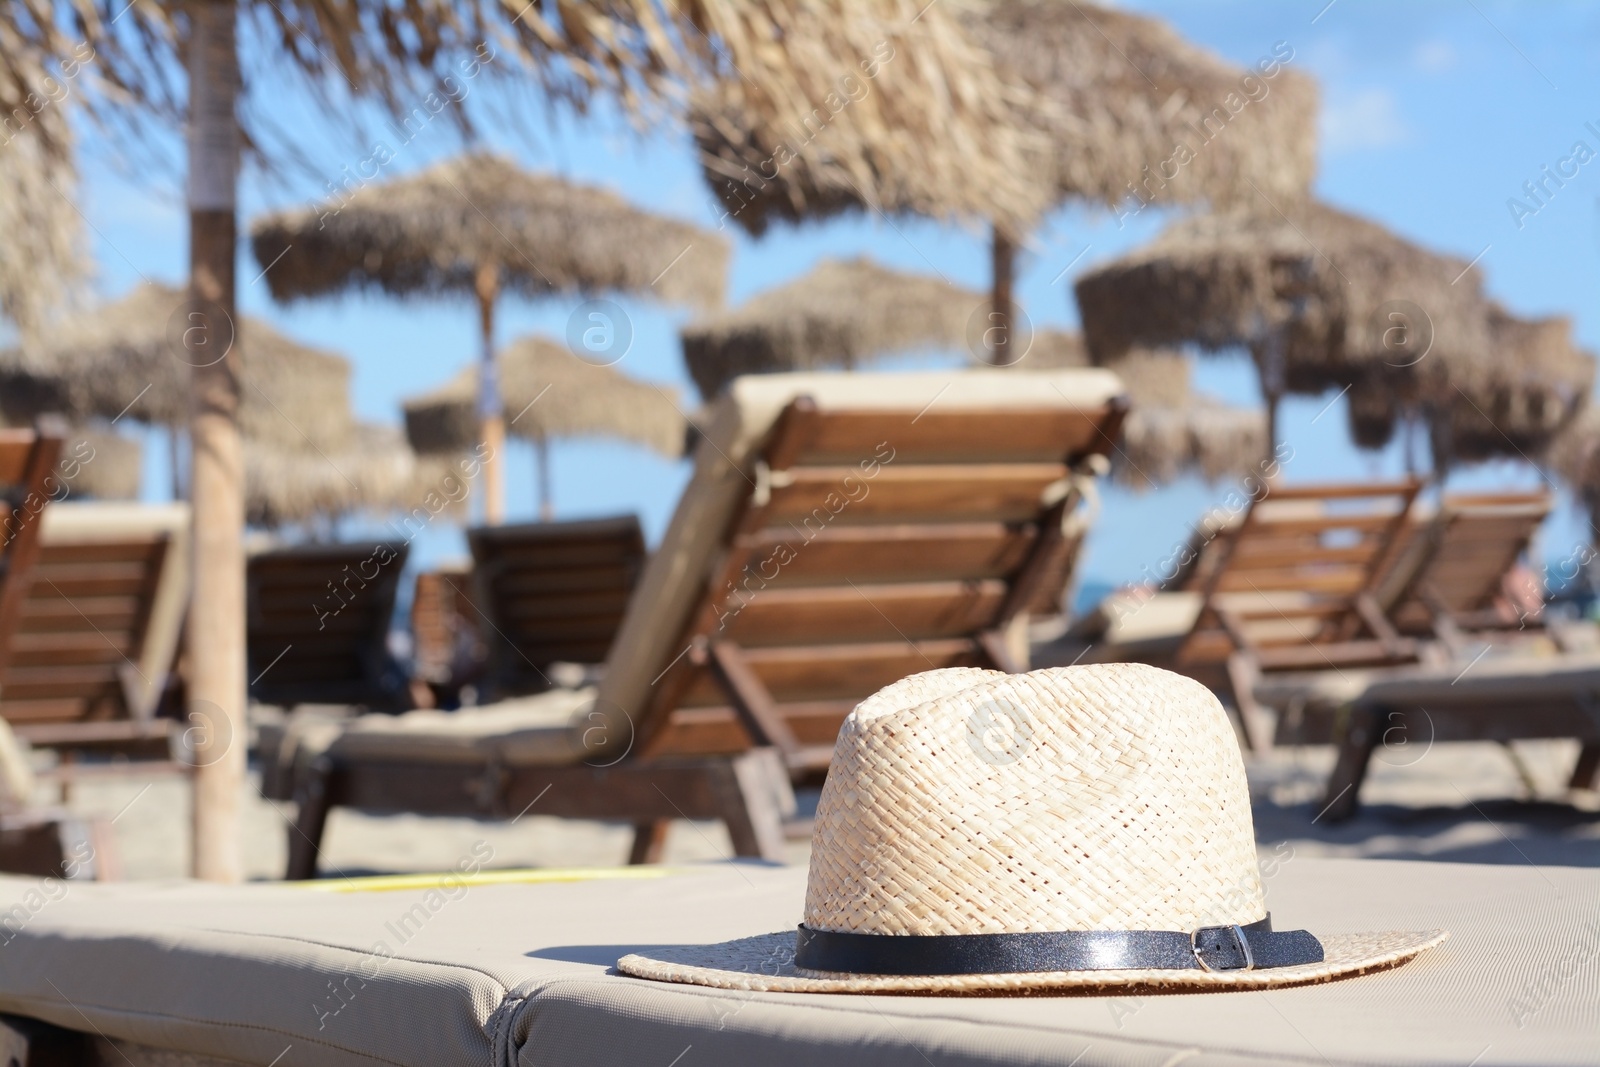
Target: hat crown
column 1100, row 797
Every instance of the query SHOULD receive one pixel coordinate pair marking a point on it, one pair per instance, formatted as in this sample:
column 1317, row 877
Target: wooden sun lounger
column 551, row 592
column 318, row 625
column 34, row 841
column 1496, row 699
column 447, row 646
column 1449, row 576
column 1292, row 593
column 840, row 533
column 100, row 629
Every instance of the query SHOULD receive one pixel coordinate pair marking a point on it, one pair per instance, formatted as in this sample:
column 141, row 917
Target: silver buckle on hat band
column 1238, row 936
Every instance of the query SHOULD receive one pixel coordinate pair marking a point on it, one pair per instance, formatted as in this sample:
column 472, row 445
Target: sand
column 1451, row 802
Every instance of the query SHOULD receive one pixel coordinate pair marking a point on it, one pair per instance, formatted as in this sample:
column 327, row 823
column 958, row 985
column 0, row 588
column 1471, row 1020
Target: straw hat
column 1079, row 828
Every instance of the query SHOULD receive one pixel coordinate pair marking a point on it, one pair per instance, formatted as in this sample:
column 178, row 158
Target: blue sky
column 1434, row 115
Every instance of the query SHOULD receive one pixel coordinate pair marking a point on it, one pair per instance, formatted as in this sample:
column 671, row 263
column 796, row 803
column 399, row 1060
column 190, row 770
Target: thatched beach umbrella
column 126, row 359
column 1319, row 297
column 1117, row 108
column 1513, row 404
column 1171, row 430
column 843, row 313
column 481, row 225
column 547, row 392
column 374, row 471
column 43, row 257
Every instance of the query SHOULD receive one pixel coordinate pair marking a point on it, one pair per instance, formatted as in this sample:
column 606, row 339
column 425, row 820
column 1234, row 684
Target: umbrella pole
column 547, row 509
column 1003, row 266
column 216, row 699
column 175, row 458
column 491, row 413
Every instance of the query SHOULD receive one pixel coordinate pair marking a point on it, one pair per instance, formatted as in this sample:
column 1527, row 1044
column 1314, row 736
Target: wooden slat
column 909, row 611
column 835, row 672
column 16, row 446
column 782, row 556
column 935, row 436
column 817, row 496
column 1280, row 527
column 716, row 729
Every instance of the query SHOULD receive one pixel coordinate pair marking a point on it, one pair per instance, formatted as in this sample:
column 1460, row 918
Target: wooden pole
column 1003, row 268
column 217, row 615
column 491, row 412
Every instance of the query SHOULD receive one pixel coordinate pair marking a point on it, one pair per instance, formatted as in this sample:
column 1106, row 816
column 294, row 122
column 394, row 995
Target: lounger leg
column 649, row 841
column 1583, row 774
column 1361, row 737
column 755, row 796
column 1253, row 718
column 305, row 833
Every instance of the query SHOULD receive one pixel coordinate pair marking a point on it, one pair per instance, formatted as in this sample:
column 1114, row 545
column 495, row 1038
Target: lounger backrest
column 27, row 462
column 550, row 592
column 1458, row 561
column 101, row 621
column 1293, row 570
column 442, row 615
column 845, row 531
column 318, row 623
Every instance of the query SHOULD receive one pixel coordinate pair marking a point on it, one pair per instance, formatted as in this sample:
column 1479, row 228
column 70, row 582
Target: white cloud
column 1362, row 120
column 1434, row 57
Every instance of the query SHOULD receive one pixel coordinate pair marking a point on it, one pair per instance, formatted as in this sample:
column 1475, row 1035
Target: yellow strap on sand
column 389, row 883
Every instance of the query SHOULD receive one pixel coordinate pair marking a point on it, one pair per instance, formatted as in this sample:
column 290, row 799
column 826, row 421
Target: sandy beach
column 1462, row 803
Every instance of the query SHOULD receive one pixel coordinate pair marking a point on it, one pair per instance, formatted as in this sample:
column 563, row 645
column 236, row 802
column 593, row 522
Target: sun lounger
column 1498, row 698
column 488, row 971
column 318, row 625
column 1291, row 601
column 550, row 592
column 447, row 646
column 28, row 482
column 840, row 532
column 97, row 642
column 1449, row 576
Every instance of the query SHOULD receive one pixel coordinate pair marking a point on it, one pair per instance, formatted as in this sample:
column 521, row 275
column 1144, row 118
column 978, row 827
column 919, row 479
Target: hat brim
column 766, row 964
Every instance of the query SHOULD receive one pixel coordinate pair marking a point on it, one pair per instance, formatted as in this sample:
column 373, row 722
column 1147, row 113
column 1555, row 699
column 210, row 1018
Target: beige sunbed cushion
column 736, row 426
column 503, row 975
column 543, row 729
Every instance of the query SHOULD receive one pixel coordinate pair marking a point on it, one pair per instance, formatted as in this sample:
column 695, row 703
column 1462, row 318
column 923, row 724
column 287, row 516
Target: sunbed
column 1282, row 613
column 39, row 841
column 447, row 646
column 98, row 637
column 29, row 482
column 318, row 625
column 550, row 592
column 467, row 971
column 1497, row 698
column 840, row 532
column 1450, row 575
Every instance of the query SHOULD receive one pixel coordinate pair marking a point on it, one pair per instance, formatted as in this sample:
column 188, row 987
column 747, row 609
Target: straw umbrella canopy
column 127, row 359
column 843, row 313
column 1171, row 430
column 43, row 259
column 547, row 393
column 375, row 471
column 481, row 225
column 1320, row 298
column 1514, row 404
column 1116, row 109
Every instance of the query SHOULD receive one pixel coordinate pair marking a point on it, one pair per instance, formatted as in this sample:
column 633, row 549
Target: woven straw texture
column 964, row 801
column 1078, row 798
